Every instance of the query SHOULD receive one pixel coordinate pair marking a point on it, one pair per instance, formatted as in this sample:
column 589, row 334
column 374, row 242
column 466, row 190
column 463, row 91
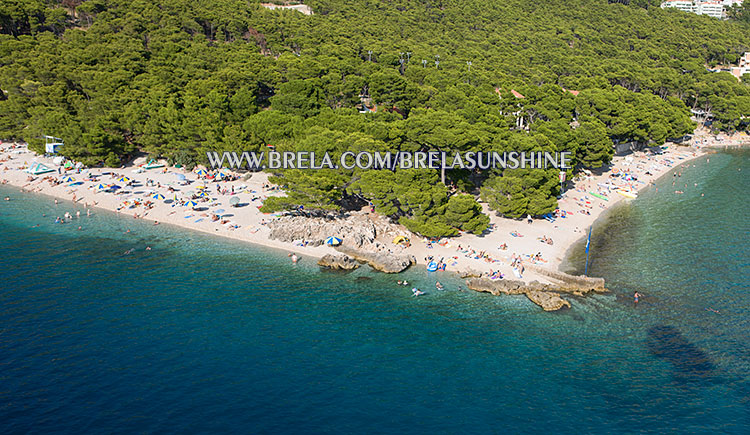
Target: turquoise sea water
column 202, row 334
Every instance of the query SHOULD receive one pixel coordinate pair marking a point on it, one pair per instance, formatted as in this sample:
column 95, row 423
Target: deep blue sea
column 202, row 334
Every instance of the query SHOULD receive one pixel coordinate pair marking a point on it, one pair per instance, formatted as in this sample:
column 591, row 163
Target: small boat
column 433, row 266
column 626, row 194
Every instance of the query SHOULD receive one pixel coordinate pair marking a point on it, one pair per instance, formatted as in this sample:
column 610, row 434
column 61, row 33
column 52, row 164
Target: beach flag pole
column 588, row 242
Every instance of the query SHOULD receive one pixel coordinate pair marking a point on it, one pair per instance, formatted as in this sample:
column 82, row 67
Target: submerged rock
column 343, row 262
column 549, row 301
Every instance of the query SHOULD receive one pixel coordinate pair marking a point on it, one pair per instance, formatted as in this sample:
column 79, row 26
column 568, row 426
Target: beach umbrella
column 191, row 204
column 333, row 241
column 125, row 179
column 174, row 198
column 157, row 196
column 234, row 201
column 201, row 194
column 68, row 179
column 200, row 172
column 102, row 186
column 201, row 187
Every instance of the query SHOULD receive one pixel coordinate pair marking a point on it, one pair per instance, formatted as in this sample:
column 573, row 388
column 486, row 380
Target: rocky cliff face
column 356, row 230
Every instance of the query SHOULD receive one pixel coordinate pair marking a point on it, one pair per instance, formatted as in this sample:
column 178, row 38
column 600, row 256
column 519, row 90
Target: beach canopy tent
column 38, row 169
column 68, row 165
column 400, row 239
column 158, row 196
column 153, row 164
column 51, row 144
column 333, row 241
column 58, row 160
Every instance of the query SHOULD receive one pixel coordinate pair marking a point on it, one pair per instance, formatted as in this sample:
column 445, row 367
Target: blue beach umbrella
column 333, row 241
column 68, row 179
column 125, row 179
column 191, row 204
column 158, row 196
column 200, row 172
column 102, row 186
column 201, row 194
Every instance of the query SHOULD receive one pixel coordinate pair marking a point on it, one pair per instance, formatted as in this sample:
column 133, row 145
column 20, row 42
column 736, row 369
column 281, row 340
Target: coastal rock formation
column 538, row 293
column 549, row 301
column 571, row 283
column 382, row 261
column 497, row 287
column 354, row 230
column 470, row 273
column 343, row 262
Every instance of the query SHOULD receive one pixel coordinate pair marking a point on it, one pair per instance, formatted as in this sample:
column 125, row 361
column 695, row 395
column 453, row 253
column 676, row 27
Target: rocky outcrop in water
column 338, row 262
column 549, row 301
column 578, row 285
column 538, row 293
column 383, row 261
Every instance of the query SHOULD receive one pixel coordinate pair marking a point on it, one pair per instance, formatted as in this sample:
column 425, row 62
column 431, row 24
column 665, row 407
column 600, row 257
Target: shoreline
column 246, row 223
column 565, row 265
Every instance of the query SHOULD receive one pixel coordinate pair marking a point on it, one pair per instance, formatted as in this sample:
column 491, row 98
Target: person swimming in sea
column 416, row 292
column 438, row 285
column 636, row 295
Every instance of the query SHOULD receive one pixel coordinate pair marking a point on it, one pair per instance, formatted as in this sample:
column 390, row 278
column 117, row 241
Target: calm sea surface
column 203, row 334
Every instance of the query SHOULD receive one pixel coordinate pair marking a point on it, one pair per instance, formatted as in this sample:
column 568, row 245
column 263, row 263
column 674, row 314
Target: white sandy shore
column 249, row 221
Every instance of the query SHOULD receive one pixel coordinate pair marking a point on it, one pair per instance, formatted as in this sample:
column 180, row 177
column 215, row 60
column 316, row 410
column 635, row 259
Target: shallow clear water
column 204, row 334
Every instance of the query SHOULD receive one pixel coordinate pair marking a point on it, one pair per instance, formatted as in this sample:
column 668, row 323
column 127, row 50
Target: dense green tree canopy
column 178, row 78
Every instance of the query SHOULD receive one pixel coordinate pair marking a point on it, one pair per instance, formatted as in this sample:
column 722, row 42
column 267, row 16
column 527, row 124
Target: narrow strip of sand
column 136, row 197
